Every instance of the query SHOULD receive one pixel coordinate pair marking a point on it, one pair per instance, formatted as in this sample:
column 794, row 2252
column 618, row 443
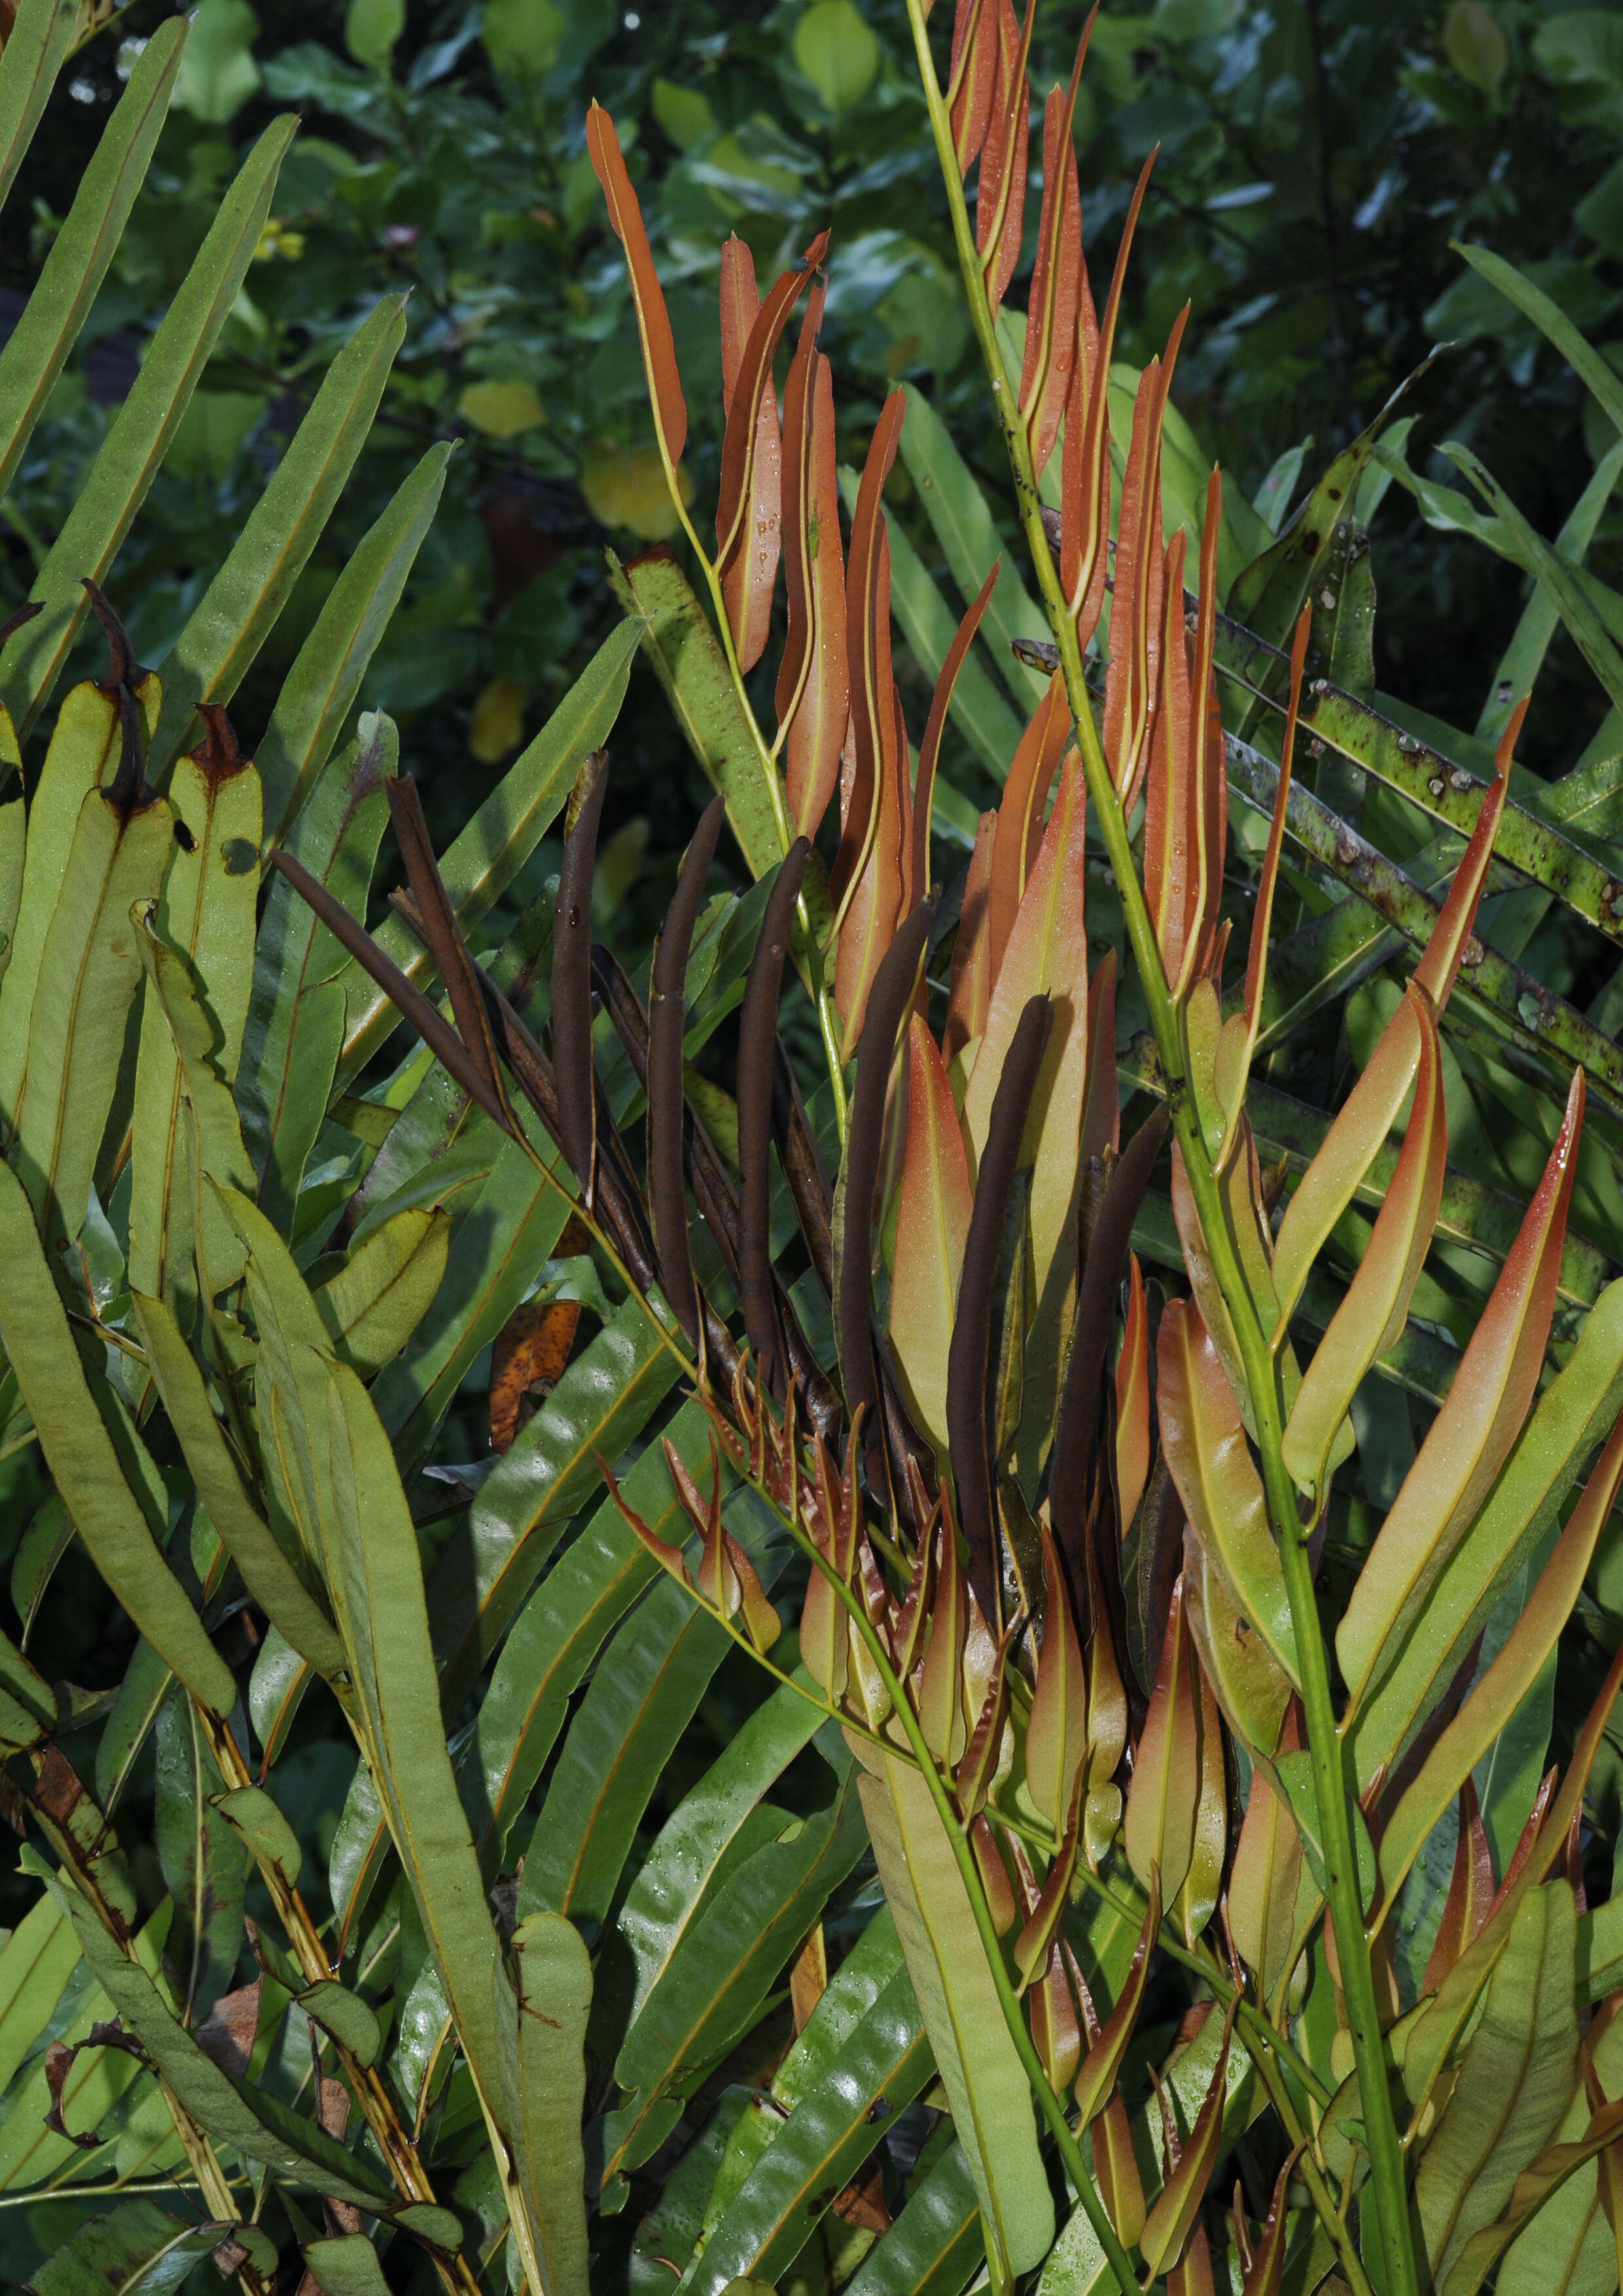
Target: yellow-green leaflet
column 206, row 915
column 86, row 734
column 985, row 2080
column 212, row 1136
column 13, row 830
column 80, row 1453
column 541, row 2013
column 373, row 1303
column 89, row 971
column 268, row 1573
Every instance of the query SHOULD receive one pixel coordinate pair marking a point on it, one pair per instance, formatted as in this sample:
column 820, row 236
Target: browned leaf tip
column 441, row 931
column 122, row 667
column 128, row 791
column 218, row 757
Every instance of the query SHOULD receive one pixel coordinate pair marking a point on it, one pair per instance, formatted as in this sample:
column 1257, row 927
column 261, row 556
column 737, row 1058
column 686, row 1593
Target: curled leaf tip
column 122, row 667
column 26, row 612
column 219, row 755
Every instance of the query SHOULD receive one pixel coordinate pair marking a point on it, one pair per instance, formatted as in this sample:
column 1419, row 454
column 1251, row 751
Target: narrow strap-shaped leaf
column 267, row 1573
column 144, row 428
column 1057, row 276
column 544, row 2058
column 318, row 693
column 442, row 934
column 1552, row 322
column 1438, row 967
column 867, row 650
column 41, row 34
column 812, row 694
column 934, row 2248
column 1172, row 2220
column 1377, row 1303
column 1572, row 1417
column 234, row 2111
column 80, row 253
column 667, row 1106
column 1100, row 2067
column 1507, row 1680
column 746, row 511
column 79, row 1452
column 1159, row 1833
column 933, row 1205
column 198, row 949
column 89, row 971
column 1473, row 1433
column 653, row 325
column 985, row 2081
column 1000, row 203
column 1205, row 1447
column 237, row 613
column 1020, row 812
column 832, row 2130
column 923, row 788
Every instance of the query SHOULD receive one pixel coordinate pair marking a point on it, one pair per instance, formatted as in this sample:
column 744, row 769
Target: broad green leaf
column 346, row 2016
column 670, row 2232
column 198, row 949
column 985, row 2081
column 719, row 1981
column 964, row 526
column 688, row 661
column 295, row 1008
column 1575, row 1413
column 39, row 1344
column 238, row 611
column 483, row 859
column 276, row 1689
column 251, row 1812
column 142, row 430
column 857, row 1983
column 1514, row 2080
column 35, row 1962
column 559, row 1632
column 203, row 1860
column 829, row 2133
column 1569, row 2245
column 377, row 1586
column 346, row 2265
column 90, row 969
column 137, row 2249
column 319, row 690
column 935, row 2246
column 642, row 1698
column 664, row 1898
column 77, row 261
column 85, row 736
column 147, row 1682
column 373, row 1303
column 39, row 39
column 235, row 2112
column 543, row 2016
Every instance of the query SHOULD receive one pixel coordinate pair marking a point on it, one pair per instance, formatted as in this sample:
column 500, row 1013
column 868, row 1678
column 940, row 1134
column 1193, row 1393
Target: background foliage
column 1309, row 183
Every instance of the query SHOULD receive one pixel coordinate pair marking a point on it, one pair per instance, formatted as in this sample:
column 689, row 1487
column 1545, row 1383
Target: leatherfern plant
column 1095, row 1611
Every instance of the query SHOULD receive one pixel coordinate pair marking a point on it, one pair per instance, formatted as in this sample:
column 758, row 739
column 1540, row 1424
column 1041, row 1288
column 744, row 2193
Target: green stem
column 1323, row 2199
column 1335, row 1806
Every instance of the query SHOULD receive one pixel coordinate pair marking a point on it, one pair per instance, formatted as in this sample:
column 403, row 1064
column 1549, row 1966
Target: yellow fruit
column 501, row 410
column 626, row 487
column 497, row 725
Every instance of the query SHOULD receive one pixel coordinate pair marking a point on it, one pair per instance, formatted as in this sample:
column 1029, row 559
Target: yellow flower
column 273, row 240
